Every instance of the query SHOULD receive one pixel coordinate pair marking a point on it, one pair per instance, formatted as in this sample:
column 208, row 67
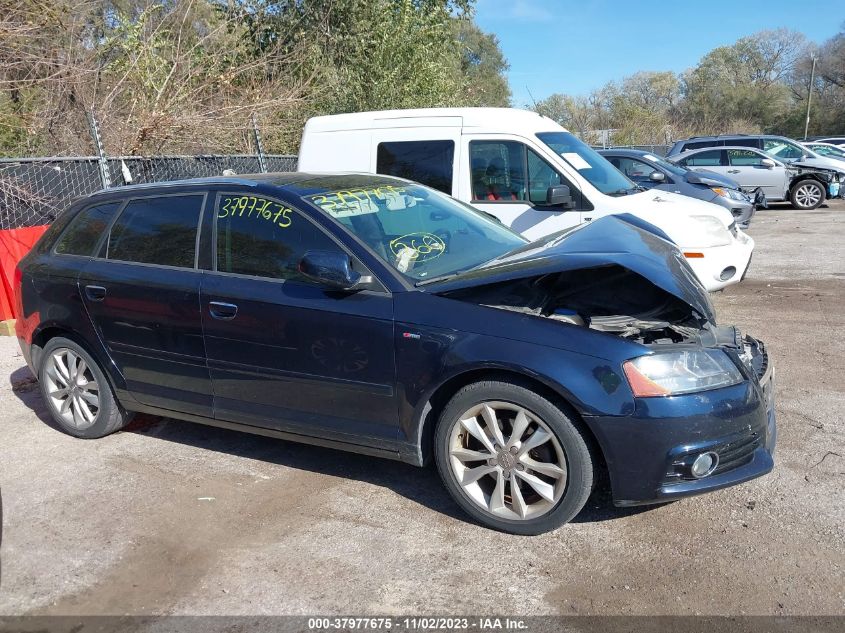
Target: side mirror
column 657, row 176
column 332, row 269
column 559, row 196
column 768, row 163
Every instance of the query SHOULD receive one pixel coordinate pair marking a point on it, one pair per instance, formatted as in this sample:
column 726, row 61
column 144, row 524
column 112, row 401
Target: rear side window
column 713, row 158
column 157, row 231
column 264, row 238
column 85, row 230
column 427, row 162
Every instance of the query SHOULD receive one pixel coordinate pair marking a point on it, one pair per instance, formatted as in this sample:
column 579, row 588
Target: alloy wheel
column 807, row 196
column 72, row 388
column 507, row 460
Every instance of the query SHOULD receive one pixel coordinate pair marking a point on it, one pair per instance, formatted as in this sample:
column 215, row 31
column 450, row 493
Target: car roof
column 639, row 153
column 717, row 148
column 295, row 182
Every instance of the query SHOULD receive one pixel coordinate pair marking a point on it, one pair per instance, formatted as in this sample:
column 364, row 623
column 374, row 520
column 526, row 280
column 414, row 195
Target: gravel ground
column 176, row 518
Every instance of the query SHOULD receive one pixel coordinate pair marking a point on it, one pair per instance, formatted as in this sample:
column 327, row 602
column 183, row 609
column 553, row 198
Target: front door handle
column 733, row 171
column 222, row 311
column 95, row 293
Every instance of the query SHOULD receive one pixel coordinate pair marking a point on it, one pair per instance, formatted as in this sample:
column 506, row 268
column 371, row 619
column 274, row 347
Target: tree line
column 758, row 84
column 187, row 76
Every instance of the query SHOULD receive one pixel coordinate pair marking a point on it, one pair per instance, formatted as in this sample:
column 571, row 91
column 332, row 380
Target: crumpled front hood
column 623, row 240
column 827, row 164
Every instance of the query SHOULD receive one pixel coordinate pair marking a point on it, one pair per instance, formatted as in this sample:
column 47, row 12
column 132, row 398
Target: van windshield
column 589, row 163
column 421, row 233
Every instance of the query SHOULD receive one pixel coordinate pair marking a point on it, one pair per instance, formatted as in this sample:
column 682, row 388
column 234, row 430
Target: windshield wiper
column 425, row 282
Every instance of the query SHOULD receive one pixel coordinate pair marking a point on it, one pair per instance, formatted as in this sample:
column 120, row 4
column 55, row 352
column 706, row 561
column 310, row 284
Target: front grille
column 735, row 454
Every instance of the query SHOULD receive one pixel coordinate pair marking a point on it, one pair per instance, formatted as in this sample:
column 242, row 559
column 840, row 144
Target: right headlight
column 672, row 373
column 710, row 232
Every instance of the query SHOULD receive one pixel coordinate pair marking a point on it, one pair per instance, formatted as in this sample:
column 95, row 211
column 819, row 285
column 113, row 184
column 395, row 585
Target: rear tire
column 806, row 195
column 76, row 391
column 512, row 459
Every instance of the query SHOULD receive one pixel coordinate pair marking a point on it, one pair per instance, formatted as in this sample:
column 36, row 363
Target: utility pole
column 809, row 95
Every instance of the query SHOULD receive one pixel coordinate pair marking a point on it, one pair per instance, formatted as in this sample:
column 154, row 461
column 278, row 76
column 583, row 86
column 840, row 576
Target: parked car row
column 779, row 167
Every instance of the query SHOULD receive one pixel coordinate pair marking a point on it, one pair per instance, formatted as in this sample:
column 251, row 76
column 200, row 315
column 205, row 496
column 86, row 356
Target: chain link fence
column 34, row 191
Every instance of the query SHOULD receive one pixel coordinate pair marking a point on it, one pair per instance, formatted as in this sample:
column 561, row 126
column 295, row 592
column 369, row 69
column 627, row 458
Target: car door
column 640, row 172
column 748, row 169
column 510, row 180
column 283, row 352
column 142, row 295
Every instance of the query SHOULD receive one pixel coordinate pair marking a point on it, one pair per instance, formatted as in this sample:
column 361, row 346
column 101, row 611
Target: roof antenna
column 533, row 100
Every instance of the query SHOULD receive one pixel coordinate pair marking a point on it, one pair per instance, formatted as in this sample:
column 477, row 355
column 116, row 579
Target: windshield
column 665, row 164
column 421, row 233
column 827, row 150
column 784, row 149
column 589, row 163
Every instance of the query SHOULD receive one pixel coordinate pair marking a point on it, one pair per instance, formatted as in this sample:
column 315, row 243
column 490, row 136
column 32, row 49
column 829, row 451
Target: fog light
column 704, row 465
column 729, row 272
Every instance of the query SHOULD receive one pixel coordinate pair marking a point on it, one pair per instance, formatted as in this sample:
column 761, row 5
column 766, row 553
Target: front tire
column 807, row 194
column 512, row 459
column 76, row 391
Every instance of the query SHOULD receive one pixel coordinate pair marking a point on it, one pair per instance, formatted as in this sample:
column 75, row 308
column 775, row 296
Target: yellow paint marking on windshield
column 347, row 202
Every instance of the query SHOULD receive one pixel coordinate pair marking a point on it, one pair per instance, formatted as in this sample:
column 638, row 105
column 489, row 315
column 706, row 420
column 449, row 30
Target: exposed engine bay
column 609, row 299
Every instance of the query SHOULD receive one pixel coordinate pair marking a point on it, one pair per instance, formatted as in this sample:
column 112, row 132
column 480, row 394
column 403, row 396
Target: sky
column 574, row 47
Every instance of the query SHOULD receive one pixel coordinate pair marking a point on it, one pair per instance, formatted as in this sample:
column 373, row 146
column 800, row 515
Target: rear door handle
column 95, row 293
column 733, row 171
column 222, row 311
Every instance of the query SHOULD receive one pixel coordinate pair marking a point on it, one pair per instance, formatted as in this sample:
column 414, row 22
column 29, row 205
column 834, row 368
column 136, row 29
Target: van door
column 510, row 180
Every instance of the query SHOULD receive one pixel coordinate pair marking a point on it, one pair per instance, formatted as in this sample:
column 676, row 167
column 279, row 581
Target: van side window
column 86, row 228
column 159, row 230
column 264, row 238
column 426, row 162
column 504, row 171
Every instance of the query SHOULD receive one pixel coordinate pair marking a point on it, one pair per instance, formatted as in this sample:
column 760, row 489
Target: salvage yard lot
column 172, row 517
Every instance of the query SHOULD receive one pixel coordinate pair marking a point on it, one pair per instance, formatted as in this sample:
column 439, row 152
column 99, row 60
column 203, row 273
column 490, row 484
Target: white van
column 525, row 169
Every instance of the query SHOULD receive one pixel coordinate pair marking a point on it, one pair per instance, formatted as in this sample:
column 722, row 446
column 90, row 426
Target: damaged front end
column 617, row 275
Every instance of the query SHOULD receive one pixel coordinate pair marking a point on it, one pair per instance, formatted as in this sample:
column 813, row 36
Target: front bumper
column 645, row 452
column 722, row 266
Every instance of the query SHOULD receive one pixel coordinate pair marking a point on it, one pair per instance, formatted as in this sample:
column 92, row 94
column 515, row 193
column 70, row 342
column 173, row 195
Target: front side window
column 416, row 230
column 783, row 149
column 428, row 162
column 85, row 230
column 589, row 163
column 160, row 230
column 745, row 158
column 508, row 171
column 711, row 158
column 262, row 237
column 636, row 170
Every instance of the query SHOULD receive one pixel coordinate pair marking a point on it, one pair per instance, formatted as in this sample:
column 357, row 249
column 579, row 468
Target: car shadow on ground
column 421, row 485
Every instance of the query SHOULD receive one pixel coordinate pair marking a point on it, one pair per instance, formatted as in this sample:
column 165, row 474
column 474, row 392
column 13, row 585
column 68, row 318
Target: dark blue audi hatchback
column 376, row 315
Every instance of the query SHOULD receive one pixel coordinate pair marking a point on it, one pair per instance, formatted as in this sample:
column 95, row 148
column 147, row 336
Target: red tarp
column 14, row 244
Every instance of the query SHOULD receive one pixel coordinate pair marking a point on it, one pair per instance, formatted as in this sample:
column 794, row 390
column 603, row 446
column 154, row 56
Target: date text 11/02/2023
column 418, row 623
